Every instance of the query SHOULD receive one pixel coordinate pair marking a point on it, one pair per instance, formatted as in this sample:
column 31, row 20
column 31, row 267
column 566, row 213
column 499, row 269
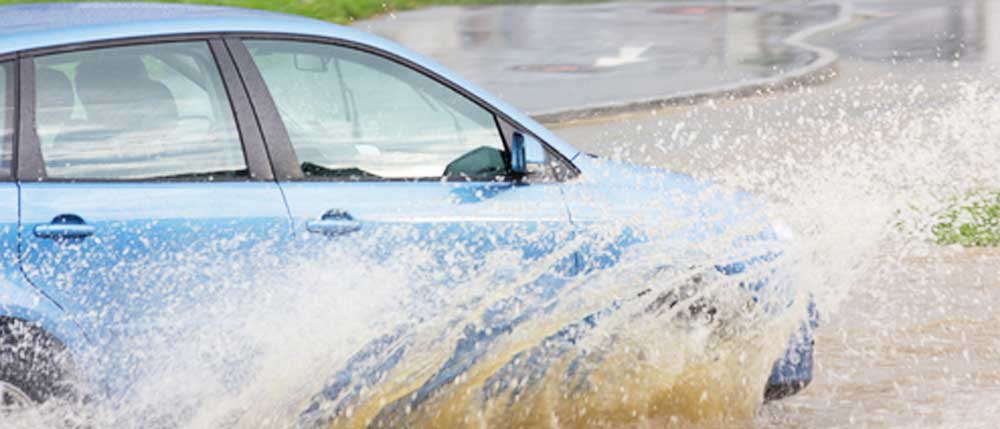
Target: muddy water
column 859, row 165
column 915, row 348
column 632, row 367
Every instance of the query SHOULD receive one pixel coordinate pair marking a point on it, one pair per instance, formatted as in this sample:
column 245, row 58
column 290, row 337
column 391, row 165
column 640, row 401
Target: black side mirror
column 527, row 154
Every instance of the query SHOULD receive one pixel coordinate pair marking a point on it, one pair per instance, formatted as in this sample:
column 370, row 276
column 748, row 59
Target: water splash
column 858, row 170
column 862, row 168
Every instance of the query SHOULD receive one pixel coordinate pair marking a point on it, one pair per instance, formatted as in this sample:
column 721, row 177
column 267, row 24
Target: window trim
column 28, row 158
column 27, row 154
column 8, row 134
column 283, row 158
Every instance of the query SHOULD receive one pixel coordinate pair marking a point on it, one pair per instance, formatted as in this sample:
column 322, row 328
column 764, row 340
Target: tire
column 774, row 392
column 34, row 366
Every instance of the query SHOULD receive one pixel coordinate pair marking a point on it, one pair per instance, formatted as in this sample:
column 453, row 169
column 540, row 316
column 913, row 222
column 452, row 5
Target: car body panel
column 684, row 220
column 474, row 218
column 18, row 298
column 686, row 217
column 153, row 243
column 609, row 207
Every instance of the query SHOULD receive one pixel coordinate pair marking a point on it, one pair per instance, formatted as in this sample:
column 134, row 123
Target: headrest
column 110, row 71
column 54, row 97
column 116, row 92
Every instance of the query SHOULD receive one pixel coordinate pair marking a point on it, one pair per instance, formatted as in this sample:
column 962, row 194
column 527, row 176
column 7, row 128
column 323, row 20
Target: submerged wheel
column 13, row 398
column 33, row 367
column 774, row 392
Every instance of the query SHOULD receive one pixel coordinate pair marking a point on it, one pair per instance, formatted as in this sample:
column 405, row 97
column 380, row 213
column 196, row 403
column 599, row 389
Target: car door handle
column 64, row 227
column 334, row 223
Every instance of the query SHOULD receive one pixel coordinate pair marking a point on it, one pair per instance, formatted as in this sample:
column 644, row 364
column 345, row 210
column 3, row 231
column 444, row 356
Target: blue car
column 137, row 138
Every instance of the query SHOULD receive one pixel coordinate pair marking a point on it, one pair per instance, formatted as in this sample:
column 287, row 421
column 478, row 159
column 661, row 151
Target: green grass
column 339, row 11
column 971, row 222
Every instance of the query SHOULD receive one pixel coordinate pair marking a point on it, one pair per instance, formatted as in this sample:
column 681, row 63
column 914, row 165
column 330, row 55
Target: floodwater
column 860, row 167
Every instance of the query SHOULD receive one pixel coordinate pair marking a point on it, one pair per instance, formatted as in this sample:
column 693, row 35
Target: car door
column 379, row 157
column 144, row 180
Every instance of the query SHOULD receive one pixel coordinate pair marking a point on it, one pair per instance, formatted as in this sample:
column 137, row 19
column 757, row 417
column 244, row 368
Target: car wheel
column 775, row 392
column 33, row 367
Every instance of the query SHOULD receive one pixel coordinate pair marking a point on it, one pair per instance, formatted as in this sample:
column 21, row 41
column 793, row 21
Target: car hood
column 618, row 192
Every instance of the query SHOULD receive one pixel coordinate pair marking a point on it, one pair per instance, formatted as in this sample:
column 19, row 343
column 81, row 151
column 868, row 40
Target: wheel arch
column 20, row 301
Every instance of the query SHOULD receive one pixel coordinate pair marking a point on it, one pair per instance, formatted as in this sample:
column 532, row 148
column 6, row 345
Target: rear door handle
column 334, row 223
column 65, row 226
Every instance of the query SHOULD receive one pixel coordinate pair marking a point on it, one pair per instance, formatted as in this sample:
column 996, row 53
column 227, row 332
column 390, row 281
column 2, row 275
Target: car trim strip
column 9, row 132
column 254, row 150
column 128, row 41
column 279, row 145
column 27, row 153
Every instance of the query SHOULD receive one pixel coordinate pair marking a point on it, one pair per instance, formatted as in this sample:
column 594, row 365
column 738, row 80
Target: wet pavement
column 935, row 42
column 570, row 57
column 919, row 31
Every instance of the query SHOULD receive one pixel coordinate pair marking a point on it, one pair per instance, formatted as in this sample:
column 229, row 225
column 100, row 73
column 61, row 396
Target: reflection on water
column 524, row 52
column 922, row 30
column 538, row 56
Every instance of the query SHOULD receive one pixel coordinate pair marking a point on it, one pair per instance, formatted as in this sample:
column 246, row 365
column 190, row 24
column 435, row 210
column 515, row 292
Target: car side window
column 6, row 119
column 152, row 111
column 353, row 115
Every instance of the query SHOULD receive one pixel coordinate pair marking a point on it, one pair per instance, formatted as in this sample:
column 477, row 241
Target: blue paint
column 90, row 289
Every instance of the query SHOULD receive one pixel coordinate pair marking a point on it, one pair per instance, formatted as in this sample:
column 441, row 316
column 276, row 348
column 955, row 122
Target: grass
column 339, row 11
column 972, row 222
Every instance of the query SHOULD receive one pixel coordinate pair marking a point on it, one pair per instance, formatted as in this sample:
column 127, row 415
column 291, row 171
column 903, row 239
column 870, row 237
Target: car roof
column 35, row 26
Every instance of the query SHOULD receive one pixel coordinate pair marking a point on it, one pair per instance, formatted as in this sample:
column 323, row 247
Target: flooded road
column 913, row 342
column 916, row 348
column 859, row 168
column 538, row 56
column 860, row 165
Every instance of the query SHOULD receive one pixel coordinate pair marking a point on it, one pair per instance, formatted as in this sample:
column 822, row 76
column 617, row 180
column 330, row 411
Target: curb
column 822, row 69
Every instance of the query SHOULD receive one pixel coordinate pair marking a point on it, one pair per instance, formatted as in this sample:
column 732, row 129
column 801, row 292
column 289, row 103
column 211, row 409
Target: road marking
column 626, row 55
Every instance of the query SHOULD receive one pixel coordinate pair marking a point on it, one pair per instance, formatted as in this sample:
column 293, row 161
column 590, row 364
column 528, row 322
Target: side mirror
column 527, row 155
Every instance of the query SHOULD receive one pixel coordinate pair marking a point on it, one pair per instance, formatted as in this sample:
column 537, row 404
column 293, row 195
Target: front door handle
column 64, row 227
column 334, row 223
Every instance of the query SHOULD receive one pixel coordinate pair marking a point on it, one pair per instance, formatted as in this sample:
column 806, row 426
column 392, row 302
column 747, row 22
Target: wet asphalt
column 546, row 58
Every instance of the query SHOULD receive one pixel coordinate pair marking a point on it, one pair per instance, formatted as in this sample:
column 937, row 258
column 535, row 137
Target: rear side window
column 352, row 115
column 156, row 111
column 6, row 118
